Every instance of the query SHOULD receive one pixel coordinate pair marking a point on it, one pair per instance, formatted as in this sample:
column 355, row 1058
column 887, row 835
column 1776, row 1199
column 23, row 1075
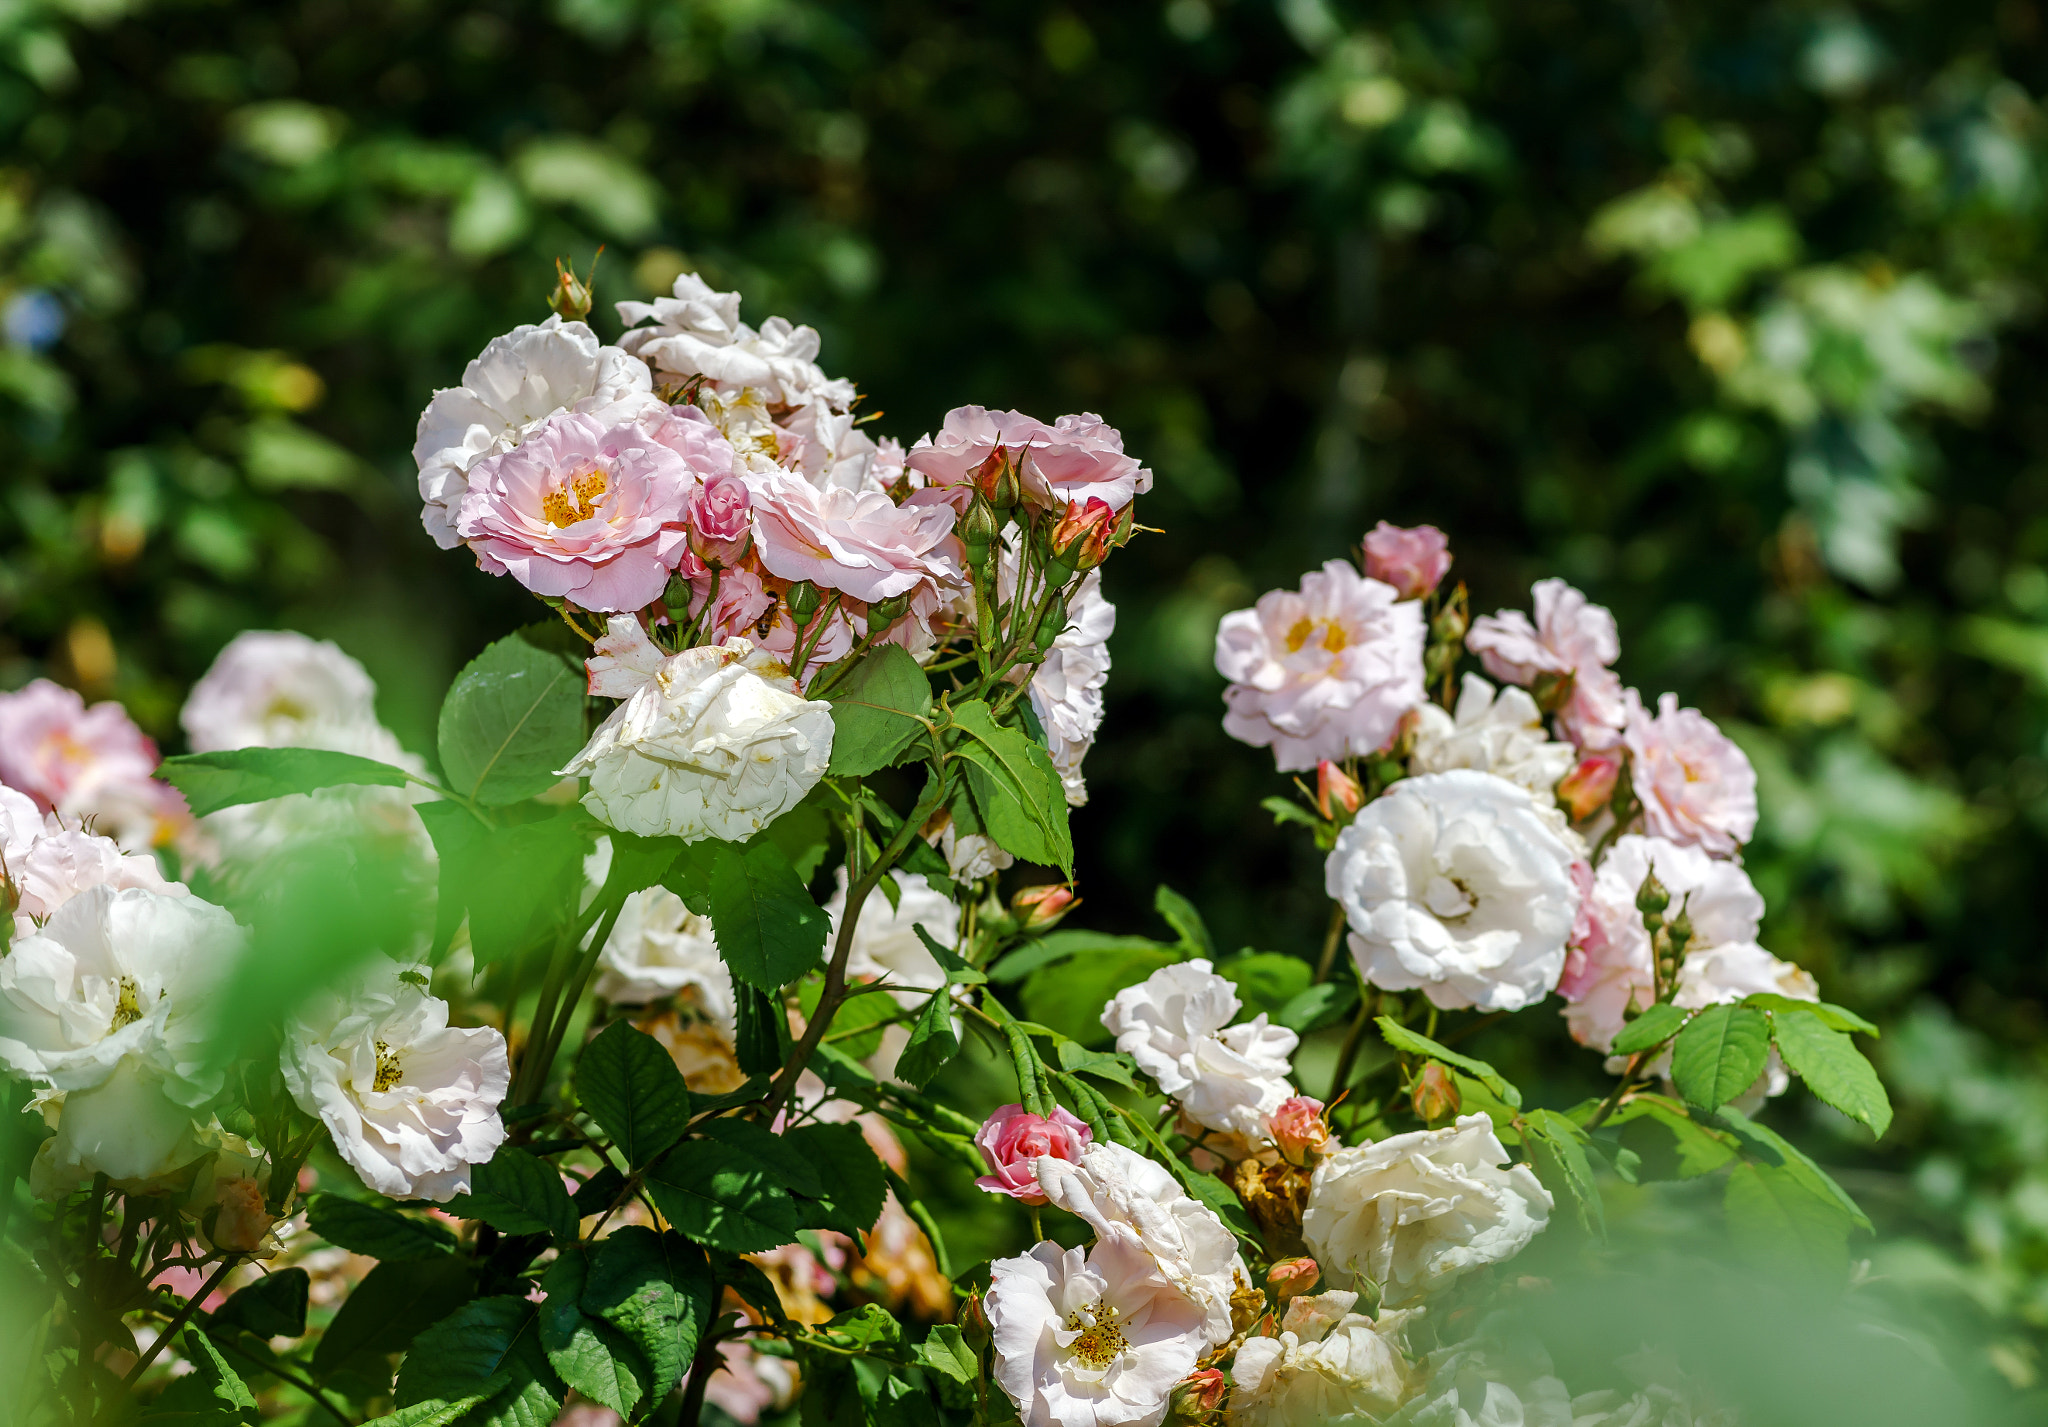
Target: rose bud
column 721, row 517
column 996, row 479
column 1299, row 1129
column 571, row 297
column 974, row 1322
column 1199, row 1392
column 243, row 1222
column 1291, row 1276
column 1412, row 561
column 1590, row 786
column 1011, row 1141
column 1037, row 908
column 1435, row 1095
column 1080, row 539
column 1336, row 791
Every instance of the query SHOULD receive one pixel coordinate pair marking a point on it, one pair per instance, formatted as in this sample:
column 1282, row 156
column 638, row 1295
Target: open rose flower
column 519, row 381
column 1072, row 460
column 1493, row 731
column 583, row 512
column 47, row 864
column 276, row 688
column 697, row 332
column 1413, row 561
column 864, row 544
column 1013, row 1140
column 1571, row 637
column 715, row 742
column 1695, row 785
column 1066, row 688
column 1323, row 672
column 1325, row 1366
column 82, row 762
column 1176, row 1025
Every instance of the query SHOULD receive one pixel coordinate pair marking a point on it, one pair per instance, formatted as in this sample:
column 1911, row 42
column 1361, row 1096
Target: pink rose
column 1292, row 1277
column 1299, row 1129
column 721, row 519
column 969, row 436
column 1570, row 637
column 1412, row 561
column 84, row 763
column 1324, row 672
column 586, row 513
column 1695, row 785
column 1589, row 787
column 1011, row 1142
column 1071, row 460
column 864, row 544
column 742, row 601
column 1200, row 1391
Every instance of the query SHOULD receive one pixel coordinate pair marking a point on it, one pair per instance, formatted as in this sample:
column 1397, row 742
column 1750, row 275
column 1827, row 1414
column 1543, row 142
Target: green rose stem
column 834, row 991
column 1331, row 940
column 163, row 1339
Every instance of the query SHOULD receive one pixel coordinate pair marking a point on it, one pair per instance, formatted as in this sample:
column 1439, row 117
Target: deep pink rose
column 1413, row 561
column 1695, row 785
column 862, row 543
column 586, row 513
column 1570, row 636
column 721, row 519
column 1013, row 1139
column 1299, row 1129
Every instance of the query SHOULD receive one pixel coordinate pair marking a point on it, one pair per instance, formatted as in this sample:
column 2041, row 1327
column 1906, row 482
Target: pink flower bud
column 1081, row 537
column 243, row 1223
column 1200, row 1392
column 721, row 520
column 1299, row 1129
column 1292, row 1276
column 1587, row 788
column 1037, row 908
column 1412, row 561
column 1337, row 792
column 1435, row 1095
column 1013, row 1138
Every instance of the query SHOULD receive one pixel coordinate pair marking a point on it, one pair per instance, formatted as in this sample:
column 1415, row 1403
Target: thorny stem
column 1331, row 940
column 163, row 1339
column 834, row 991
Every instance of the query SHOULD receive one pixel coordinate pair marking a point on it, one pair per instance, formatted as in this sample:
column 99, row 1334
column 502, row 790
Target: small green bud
column 1652, row 899
column 803, row 600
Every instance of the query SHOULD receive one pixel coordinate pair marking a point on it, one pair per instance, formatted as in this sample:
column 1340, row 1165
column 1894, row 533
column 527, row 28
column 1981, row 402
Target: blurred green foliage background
column 1730, row 313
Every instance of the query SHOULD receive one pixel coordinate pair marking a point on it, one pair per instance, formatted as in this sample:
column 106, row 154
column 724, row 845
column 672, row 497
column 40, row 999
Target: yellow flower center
column 575, row 499
column 387, row 1068
column 1332, row 636
column 1101, row 1342
column 128, row 1007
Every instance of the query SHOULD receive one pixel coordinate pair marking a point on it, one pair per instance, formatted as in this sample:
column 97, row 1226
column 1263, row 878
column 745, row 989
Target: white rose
column 1090, row 1339
column 1325, row 1366
column 47, row 864
column 516, row 383
column 1066, row 690
column 411, row 1102
column 1456, row 883
column 1498, row 732
column 658, row 948
column 970, row 856
column 104, row 1009
column 698, row 332
column 273, row 688
column 1468, row 1386
column 718, row 743
column 1176, row 1025
column 1118, row 1191
column 1412, row 1212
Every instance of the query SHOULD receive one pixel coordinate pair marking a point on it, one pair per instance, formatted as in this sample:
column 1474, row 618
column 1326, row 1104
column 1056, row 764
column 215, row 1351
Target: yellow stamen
column 1101, row 1342
column 387, row 1068
column 128, row 1008
column 576, row 499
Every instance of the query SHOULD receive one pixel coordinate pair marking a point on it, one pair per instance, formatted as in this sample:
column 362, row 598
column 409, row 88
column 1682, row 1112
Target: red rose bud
column 1200, row 1392
column 996, row 479
column 1589, row 787
column 1081, row 537
column 1290, row 1277
column 1435, row 1095
column 1299, row 1129
column 1037, row 908
column 1337, row 792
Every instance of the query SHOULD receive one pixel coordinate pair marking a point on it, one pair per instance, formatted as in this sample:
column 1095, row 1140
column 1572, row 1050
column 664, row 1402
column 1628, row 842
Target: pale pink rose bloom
column 1695, row 785
column 1413, row 560
column 57, row 866
column 82, row 762
column 1013, row 1138
column 1299, row 1129
column 747, row 1384
column 1083, row 459
column 742, row 600
column 1323, row 672
column 721, row 519
column 864, row 544
column 969, row 435
column 1610, row 963
column 583, row 512
column 1570, row 636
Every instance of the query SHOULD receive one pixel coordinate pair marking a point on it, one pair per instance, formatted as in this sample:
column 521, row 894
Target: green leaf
column 877, row 711
column 1266, row 981
column 432, row 1414
column 1186, row 922
column 945, row 1352
column 720, row 1195
column 1069, row 999
column 1649, row 1030
column 657, row 1290
column 1833, row 1069
column 1058, row 946
column 761, row 1029
column 1411, row 1043
column 1016, row 788
column 491, row 1345
column 1286, row 810
column 1319, row 1006
column 1559, row 1149
column 769, row 930
column 932, row 1043
column 1776, row 1214
column 1834, row 1016
column 859, row 1023
column 1719, row 1054
column 853, row 1183
column 512, row 717
column 1110, row 1065
column 375, row 1231
column 225, row 779
column 588, row 1354
column 518, row 1193
column 394, row 1301
column 958, row 972
column 633, row 1090
column 1795, row 1160
column 517, row 884
column 796, row 1170
column 274, row 1306
column 212, row 1393
column 1694, row 1149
